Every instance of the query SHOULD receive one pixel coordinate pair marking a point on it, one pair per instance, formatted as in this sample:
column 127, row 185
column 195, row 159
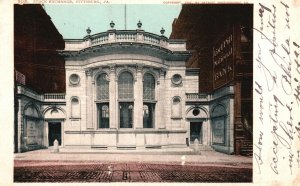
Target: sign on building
column 223, row 62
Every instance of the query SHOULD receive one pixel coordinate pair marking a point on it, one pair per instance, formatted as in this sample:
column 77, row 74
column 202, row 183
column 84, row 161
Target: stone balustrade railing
column 197, row 97
column 129, row 36
column 54, row 97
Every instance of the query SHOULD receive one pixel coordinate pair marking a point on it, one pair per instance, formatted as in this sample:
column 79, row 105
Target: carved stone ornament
column 89, row 72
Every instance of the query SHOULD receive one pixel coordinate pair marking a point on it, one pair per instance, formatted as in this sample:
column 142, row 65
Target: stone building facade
column 127, row 89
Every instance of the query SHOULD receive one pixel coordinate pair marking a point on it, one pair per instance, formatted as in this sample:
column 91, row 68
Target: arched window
column 149, row 100
column 149, row 87
column 103, row 96
column 125, row 91
column 102, row 87
column 75, row 108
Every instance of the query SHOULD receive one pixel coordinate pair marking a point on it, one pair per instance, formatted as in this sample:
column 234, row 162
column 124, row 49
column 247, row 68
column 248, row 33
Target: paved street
column 44, row 166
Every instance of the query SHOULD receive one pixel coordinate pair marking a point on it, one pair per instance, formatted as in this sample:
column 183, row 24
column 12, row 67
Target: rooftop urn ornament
column 112, row 24
column 88, row 30
column 162, row 31
column 139, row 24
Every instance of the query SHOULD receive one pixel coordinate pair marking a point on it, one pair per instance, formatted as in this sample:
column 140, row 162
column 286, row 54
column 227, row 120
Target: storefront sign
column 223, row 61
column 219, row 131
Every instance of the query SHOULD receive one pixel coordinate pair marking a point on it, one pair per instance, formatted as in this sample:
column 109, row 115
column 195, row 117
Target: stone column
column 62, row 124
column 20, row 121
column 238, row 125
column 138, row 98
column 94, row 105
column 209, row 132
column 160, row 111
column 46, row 131
column 112, row 98
column 89, row 101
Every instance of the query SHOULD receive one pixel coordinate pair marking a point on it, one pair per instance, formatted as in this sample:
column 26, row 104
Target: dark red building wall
column 36, row 40
column 202, row 25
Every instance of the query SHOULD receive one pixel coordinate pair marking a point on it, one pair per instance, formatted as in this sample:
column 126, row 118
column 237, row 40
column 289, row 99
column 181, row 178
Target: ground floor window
column 126, row 114
column 103, row 115
column 148, row 115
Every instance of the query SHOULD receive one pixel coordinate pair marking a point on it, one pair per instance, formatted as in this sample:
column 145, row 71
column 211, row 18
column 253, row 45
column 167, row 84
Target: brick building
column 38, row 70
column 221, row 37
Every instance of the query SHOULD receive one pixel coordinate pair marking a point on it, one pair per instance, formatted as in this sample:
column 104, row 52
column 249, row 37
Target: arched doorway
column 54, row 132
column 198, row 125
column 54, row 120
column 196, row 131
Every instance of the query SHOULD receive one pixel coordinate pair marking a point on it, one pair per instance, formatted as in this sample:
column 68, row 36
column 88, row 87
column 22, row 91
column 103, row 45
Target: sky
column 73, row 20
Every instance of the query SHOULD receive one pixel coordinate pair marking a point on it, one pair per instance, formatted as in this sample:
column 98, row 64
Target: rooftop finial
column 112, row 24
column 139, row 24
column 162, row 31
column 88, row 30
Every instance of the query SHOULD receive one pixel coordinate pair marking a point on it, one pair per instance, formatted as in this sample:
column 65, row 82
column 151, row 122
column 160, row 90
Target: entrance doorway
column 54, row 133
column 195, row 132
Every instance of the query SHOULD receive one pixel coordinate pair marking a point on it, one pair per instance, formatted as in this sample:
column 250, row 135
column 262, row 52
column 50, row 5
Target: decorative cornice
column 127, row 48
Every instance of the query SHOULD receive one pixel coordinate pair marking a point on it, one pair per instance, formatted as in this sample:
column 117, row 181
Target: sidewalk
column 154, row 156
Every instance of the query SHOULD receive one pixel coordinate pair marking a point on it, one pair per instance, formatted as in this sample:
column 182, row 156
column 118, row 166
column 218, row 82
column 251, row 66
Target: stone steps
column 202, row 147
column 247, row 148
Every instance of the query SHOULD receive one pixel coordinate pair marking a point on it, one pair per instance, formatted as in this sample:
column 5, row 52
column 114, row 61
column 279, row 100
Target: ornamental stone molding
column 139, row 68
column 89, row 72
column 99, row 71
column 112, row 68
column 152, row 71
column 127, row 68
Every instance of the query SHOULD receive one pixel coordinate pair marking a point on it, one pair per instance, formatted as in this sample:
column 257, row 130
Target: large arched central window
column 125, row 91
column 125, row 88
column 149, row 100
column 103, row 102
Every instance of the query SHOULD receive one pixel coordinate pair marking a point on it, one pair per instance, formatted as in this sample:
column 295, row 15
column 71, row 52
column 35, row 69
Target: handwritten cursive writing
column 261, row 101
column 287, row 19
column 257, row 156
column 269, row 76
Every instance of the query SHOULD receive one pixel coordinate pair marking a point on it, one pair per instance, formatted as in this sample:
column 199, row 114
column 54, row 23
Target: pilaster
column 160, row 111
column 112, row 98
column 238, row 125
column 89, row 101
column 20, row 120
column 138, row 98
